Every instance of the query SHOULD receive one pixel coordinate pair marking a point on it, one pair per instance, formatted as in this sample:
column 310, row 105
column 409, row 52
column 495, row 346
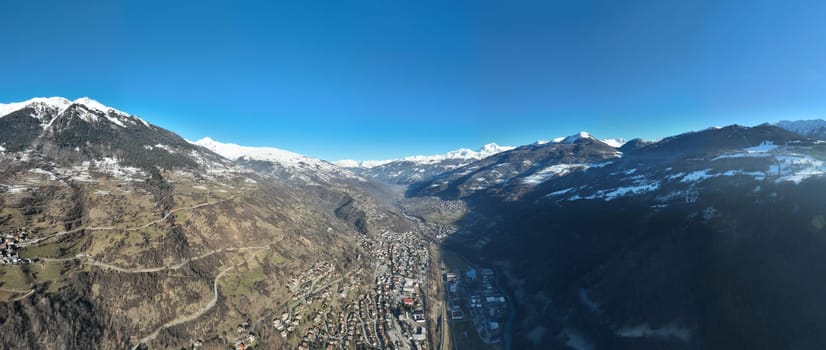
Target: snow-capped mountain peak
column 270, row 154
column 55, row 104
column 59, row 104
column 46, row 109
column 90, row 103
column 582, row 135
column 462, row 153
column 233, row 151
column 298, row 166
column 493, row 148
column 615, row 143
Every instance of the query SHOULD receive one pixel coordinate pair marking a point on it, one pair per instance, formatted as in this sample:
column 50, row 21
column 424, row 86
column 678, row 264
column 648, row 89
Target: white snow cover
column 695, row 176
column 462, row 153
column 57, row 105
column 763, row 147
column 794, row 167
column 576, row 137
column 348, row 163
column 616, row 142
column 551, row 171
column 90, row 103
column 803, row 127
column 284, row 158
column 787, row 166
column 459, row 154
column 163, row 147
column 560, row 192
column 626, row 190
column 233, row 151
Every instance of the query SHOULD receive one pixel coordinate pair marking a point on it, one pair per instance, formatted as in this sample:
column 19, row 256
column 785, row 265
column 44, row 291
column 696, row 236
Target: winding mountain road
column 27, row 293
column 179, row 265
column 105, row 228
column 190, row 317
column 179, row 320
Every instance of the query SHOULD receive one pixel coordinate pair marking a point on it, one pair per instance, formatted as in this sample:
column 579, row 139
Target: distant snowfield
column 233, row 151
column 615, row 142
column 459, row 154
column 468, row 154
column 306, row 167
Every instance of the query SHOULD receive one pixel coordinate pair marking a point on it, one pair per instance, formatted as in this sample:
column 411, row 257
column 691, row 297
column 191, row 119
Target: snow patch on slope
column 551, row 171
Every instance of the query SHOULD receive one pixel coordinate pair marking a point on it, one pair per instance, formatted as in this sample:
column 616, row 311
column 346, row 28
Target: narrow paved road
column 150, row 269
column 190, row 317
column 104, row 228
column 206, row 307
column 26, row 292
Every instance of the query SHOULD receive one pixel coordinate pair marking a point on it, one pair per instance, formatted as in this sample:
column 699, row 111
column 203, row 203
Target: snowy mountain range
column 585, row 222
column 615, row 143
column 468, row 154
column 763, row 153
column 278, row 162
column 814, row 128
column 459, row 154
column 115, row 188
column 412, row 169
column 45, row 108
column 233, row 151
column 54, row 114
column 416, row 168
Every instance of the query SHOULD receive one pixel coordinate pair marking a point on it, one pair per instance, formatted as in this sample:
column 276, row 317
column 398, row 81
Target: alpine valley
column 118, row 234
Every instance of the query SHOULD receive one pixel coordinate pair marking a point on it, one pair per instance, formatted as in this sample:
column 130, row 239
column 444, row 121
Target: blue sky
column 383, row 79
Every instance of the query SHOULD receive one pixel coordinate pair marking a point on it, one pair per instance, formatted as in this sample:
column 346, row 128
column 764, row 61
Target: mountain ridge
column 631, row 247
column 458, row 154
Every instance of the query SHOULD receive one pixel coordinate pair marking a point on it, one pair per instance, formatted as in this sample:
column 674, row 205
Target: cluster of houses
column 10, row 246
column 329, row 310
column 324, row 316
column 406, row 260
column 246, row 338
column 390, row 314
column 301, row 286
